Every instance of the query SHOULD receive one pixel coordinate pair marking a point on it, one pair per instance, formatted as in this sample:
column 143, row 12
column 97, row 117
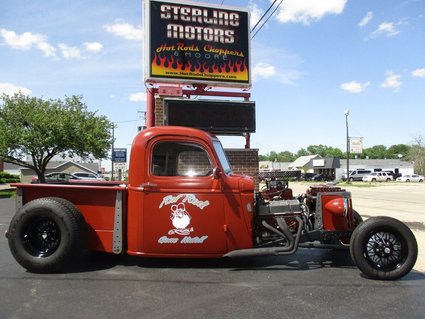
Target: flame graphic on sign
column 171, row 66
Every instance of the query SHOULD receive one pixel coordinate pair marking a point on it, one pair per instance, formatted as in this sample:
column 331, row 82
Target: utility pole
column 347, row 112
column 143, row 118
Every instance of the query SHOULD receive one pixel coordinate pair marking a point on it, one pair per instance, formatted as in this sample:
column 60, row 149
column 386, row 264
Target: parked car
column 356, row 175
column 307, row 176
column 377, row 177
column 322, row 177
column 55, row 178
column 87, row 175
column 411, row 178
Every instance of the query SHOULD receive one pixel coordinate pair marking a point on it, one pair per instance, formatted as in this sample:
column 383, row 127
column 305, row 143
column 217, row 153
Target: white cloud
column 419, row 73
column 138, row 97
column 289, row 76
column 307, row 11
column 387, row 29
column 263, row 70
column 125, row 30
column 93, row 46
column 354, row 87
column 256, row 13
column 10, row 89
column 28, row 40
column 392, row 81
column 69, row 52
column 366, row 19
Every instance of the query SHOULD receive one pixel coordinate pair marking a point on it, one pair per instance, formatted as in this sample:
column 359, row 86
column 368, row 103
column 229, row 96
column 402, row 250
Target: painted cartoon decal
column 180, row 219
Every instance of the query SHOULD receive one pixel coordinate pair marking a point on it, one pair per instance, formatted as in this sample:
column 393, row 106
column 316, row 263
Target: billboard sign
column 192, row 43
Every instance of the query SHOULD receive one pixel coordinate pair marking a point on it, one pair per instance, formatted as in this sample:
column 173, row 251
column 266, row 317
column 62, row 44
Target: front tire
column 358, row 219
column 383, row 248
column 44, row 235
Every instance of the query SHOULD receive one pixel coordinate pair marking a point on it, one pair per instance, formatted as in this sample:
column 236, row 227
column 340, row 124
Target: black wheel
column 373, row 180
column 407, row 180
column 383, row 248
column 357, row 218
column 44, row 235
column 388, row 180
column 73, row 210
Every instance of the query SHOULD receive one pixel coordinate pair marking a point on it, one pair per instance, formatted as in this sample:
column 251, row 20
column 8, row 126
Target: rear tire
column 45, row 235
column 383, row 248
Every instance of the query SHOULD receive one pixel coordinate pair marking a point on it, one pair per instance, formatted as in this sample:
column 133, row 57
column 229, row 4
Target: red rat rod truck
column 182, row 200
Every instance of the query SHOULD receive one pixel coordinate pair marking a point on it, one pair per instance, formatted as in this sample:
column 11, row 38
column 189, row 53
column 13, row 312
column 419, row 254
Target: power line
column 264, row 14
column 128, row 121
column 277, row 7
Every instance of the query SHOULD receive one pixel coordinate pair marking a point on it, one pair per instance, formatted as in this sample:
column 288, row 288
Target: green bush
column 6, row 178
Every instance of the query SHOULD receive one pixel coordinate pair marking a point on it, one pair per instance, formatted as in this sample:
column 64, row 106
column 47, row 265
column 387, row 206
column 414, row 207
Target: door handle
column 148, row 186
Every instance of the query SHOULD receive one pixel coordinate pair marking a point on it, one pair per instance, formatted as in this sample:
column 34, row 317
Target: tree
column 43, row 129
column 375, row 152
column 335, row 152
column 417, row 154
column 302, row 152
column 273, row 156
column 325, row 151
column 398, row 151
column 286, row 156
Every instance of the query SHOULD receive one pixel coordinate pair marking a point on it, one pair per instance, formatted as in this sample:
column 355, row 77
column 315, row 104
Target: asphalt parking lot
column 310, row 284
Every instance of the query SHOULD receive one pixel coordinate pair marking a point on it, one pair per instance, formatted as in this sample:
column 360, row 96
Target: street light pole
column 112, row 152
column 347, row 112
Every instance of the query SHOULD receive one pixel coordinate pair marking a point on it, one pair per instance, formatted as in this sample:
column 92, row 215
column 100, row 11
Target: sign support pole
column 150, row 107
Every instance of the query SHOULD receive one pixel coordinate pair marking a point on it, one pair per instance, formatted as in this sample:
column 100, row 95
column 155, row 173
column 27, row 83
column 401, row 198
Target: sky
column 311, row 61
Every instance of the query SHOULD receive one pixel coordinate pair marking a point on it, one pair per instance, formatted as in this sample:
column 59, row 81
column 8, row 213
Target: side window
column 180, row 159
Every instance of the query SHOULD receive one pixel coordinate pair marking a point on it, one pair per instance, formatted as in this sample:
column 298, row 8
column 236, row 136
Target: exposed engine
column 277, row 220
column 282, row 219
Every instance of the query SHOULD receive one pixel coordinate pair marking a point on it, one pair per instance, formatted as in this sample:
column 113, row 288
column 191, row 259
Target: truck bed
column 101, row 203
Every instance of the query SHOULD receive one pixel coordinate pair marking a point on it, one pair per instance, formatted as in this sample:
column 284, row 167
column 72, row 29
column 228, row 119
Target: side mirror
column 216, row 172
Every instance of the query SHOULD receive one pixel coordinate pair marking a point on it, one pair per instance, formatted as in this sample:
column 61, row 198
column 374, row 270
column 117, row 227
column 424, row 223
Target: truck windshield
column 222, row 157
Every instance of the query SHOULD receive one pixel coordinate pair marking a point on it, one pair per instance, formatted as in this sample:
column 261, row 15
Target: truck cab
column 183, row 197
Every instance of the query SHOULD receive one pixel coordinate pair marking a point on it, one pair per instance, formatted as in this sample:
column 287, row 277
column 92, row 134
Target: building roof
column 303, row 161
column 381, row 163
column 56, row 165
